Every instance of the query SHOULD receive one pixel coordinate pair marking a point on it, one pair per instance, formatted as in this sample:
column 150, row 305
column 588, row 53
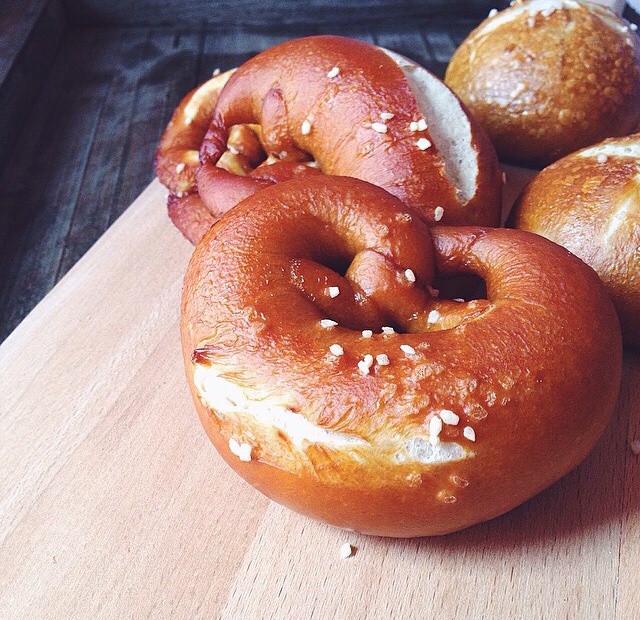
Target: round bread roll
column 356, row 110
column 329, row 376
column 546, row 77
column 589, row 202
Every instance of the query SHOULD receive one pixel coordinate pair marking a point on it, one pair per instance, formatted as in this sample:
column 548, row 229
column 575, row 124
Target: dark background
column 87, row 86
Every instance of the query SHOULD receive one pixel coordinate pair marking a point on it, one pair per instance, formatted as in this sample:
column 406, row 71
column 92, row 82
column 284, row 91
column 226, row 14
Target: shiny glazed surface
column 522, row 382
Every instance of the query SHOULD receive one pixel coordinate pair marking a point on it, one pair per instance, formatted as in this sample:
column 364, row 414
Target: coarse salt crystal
column 435, row 427
column 388, row 330
column 469, row 433
column 407, row 349
column 382, row 359
column 346, row 551
column 305, row 128
column 216, row 72
column 422, row 125
column 365, row 364
column 409, row 275
column 402, row 217
column 413, row 126
column 602, row 158
column 448, row 417
column 493, row 12
column 336, row 350
column 433, row 317
column 333, row 72
column 328, row 323
column 333, row 291
column 367, row 333
column 423, row 144
column 379, row 127
column 363, row 368
column 387, row 116
column 438, row 212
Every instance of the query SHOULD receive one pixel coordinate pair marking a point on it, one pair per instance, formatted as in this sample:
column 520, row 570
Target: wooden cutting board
column 113, row 504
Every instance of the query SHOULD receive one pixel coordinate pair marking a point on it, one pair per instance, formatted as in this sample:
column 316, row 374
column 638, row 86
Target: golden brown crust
column 223, row 188
column 546, row 77
column 190, row 216
column 176, row 157
column 350, row 107
column 533, row 370
column 587, row 202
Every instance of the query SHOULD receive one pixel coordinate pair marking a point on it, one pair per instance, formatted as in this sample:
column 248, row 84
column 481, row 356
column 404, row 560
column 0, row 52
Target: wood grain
column 114, row 505
column 268, row 13
column 30, row 33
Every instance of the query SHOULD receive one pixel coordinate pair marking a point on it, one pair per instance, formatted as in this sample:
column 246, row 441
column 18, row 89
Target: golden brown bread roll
column 546, row 77
column 328, row 375
column 589, row 202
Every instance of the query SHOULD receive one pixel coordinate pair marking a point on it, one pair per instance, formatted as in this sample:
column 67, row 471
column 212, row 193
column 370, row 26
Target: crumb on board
column 347, row 550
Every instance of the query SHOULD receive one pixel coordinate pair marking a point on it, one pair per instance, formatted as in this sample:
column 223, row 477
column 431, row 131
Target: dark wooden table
column 86, row 88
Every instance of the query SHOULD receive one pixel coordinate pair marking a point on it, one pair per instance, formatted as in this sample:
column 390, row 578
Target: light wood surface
column 113, row 504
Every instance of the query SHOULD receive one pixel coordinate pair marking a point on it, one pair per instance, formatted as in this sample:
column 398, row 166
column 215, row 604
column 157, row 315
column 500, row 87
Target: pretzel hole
column 368, row 293
column 365, row 291
column 322, row 280
column 456, row 286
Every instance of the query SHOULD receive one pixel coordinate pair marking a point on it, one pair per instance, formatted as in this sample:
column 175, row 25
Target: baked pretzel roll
column 189, row 215
column 547, row 77
column 176, row 158
column 589, row 203
column 328, row 375
column 357, row 110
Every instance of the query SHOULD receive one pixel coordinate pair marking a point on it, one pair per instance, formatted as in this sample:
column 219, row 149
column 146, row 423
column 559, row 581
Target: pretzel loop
column 328, row 374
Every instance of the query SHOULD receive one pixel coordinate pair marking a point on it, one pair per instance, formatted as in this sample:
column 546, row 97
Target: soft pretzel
column 329, row 375
column 356, row 110
column 176, row 158
column 589, row 203
column 547, row 77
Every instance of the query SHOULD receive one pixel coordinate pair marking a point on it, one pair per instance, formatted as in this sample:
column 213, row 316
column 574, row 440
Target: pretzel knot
column 177, row 161
column 327, row 105
column 329, row 375
column 354, row 109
